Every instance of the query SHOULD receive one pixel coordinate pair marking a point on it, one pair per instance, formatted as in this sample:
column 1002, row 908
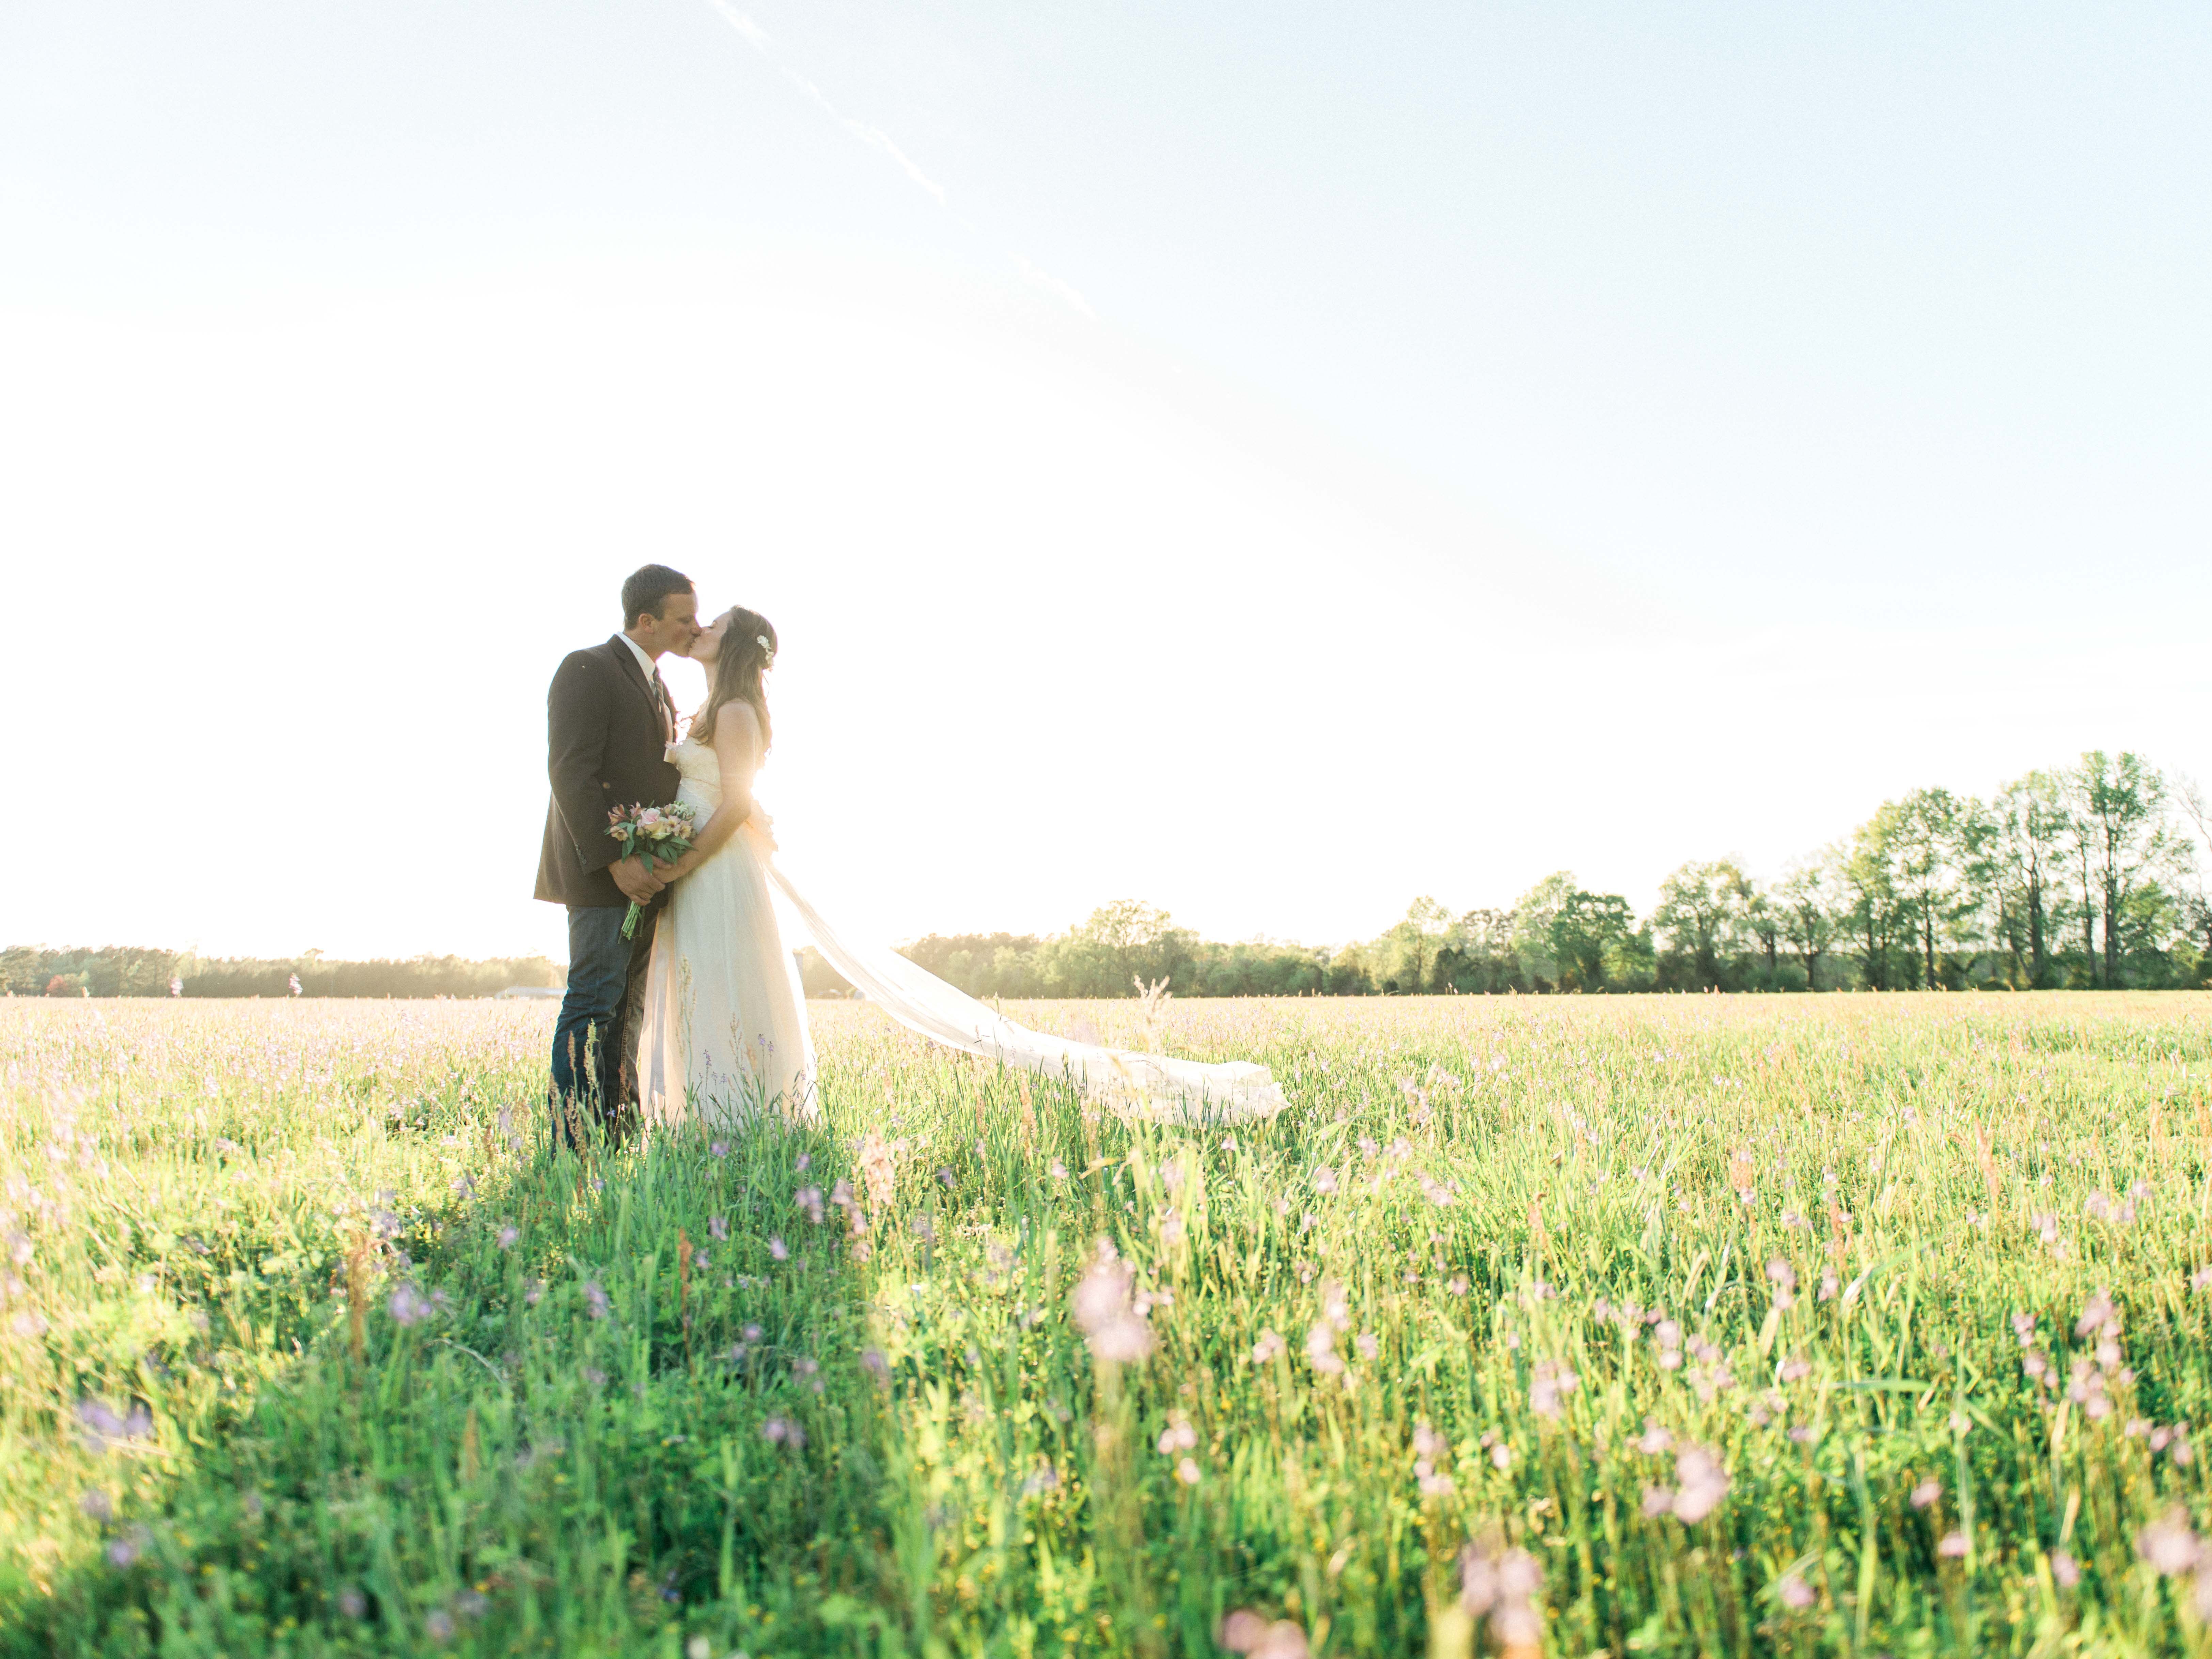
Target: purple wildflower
column 408, row 1306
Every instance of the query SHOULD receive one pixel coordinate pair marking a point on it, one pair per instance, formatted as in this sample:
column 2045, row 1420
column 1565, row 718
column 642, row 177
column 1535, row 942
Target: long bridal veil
column 1150, row 1084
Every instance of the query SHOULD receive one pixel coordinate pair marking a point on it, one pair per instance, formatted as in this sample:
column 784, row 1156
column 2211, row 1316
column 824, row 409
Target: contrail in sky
column 879, row 140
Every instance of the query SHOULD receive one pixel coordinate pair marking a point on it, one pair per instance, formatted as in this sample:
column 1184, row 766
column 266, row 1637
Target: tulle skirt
column 725, row 1039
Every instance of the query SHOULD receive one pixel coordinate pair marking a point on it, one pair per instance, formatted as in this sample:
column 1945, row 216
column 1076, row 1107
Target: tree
column 1534, row 914
column 1755, row 913
column 2197, row 902
column 1479, row 955
column 1410, row 950
column 1938, row 845
column 1877, row 916
column 1588, row 930
column 2126, row 841
column 2031, row 831
column 1696, row 905
column 1804, row 909
column 1124, row 940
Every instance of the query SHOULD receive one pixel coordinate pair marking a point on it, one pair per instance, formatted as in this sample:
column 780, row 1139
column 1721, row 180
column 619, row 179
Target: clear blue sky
column 1849, row 344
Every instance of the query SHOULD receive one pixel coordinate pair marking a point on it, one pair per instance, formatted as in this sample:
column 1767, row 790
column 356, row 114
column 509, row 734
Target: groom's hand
column 636, row 879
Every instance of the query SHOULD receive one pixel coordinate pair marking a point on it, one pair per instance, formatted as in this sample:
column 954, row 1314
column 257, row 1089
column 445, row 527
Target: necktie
column 665, row 704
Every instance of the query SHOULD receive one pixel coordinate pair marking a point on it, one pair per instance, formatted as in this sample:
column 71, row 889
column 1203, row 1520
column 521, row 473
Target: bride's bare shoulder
column 736, row 724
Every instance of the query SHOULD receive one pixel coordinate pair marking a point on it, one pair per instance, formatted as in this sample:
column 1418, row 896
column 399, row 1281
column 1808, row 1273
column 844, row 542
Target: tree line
column 2090, row 876
column 117, row 970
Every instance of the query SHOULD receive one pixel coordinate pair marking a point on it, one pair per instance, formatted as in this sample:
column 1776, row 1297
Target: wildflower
column 1654, row 1440
column 719, row 1148
column 2200, row 1279
column 2064, row 1569
column 1171, row 1229
column 1784, row 1279
column 782, row 1431
column 1926, row 1493
column 778, row 1249
column 1796, row 1369
column 1102, row 1313
column 1247, row 1632
column 1178, row 1436
column 1550, row 1383
column 408, row 1305
column 508, row 1236
column 1187, row 1472
column 122, row 1553
column 751, row 1333
column 1269, row 1344
column 1324, row 1180
column 1458, row 1284
column 717, row 1227
column 594, row 1376
column 1703, row 1484
column 1059, row 1170
column 1044, row 1479
column 809, row 1198
column 1794, row 1592
column 2097, row 1316
column 1658, row 1501
column 2171, row 1544
column 1501, row 1457
column 1367, row 1343
column 1335, row 1306
column 595, row 1299
column 804, row 1160
column 97, row 1504
column 536, row 1289
column 470, row 1605
column 352, row 1602
column 1953, row 1546
column 1504, row 1587
column 1320, row 1348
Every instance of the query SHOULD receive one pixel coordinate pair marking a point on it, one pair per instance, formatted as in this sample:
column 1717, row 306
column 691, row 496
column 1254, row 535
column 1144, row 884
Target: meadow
column 1847, row 1324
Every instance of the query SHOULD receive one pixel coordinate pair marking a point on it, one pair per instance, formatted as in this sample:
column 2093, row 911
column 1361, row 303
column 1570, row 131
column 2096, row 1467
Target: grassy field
column 1845, row 1324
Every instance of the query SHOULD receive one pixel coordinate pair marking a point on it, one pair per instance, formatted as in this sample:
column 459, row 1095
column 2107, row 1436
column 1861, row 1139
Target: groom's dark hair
column 646, row 590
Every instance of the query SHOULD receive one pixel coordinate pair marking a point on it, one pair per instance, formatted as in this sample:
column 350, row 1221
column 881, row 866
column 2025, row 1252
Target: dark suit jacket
column 606, row 739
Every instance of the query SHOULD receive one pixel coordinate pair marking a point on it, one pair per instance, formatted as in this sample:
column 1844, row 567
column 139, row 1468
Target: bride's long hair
column 748, row 647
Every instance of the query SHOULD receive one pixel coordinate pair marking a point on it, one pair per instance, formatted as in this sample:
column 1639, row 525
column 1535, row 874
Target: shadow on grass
column 613, row 1405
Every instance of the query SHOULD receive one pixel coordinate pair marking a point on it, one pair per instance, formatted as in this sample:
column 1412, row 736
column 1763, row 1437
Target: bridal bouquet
column 654, row 832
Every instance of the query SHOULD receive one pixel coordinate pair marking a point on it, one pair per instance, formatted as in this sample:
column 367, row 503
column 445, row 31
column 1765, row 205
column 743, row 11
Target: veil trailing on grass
column 1152, row 1086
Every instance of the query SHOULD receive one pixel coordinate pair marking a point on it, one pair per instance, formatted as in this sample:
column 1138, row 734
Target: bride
column 724, row 1035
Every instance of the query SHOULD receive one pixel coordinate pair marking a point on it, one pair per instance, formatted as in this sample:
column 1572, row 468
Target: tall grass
column 1775, row 1325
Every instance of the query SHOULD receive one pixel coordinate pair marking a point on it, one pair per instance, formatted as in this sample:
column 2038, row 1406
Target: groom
column 608, row 722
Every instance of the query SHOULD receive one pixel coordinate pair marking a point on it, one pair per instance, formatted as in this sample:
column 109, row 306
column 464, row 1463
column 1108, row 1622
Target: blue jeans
column 595, row 1038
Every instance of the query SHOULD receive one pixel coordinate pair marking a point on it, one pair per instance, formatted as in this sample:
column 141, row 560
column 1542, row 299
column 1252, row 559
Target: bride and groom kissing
column 697, row 1017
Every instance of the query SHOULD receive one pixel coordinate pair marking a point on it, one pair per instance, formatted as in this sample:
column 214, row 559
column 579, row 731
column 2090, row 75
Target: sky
column 1271, row 461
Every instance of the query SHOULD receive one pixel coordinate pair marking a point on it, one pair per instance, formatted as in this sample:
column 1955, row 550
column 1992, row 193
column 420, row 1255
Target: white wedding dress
column 725, row 1038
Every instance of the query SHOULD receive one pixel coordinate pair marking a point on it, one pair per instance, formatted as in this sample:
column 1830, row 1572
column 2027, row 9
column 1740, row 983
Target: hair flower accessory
column 761, row 640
